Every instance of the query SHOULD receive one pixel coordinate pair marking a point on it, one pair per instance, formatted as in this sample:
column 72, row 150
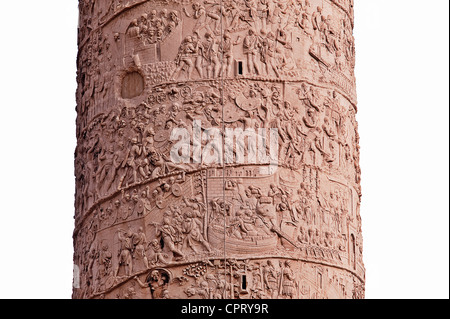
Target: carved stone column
column 217, row 150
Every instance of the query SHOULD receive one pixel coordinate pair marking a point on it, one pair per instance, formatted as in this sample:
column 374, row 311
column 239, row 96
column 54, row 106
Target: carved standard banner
column 218, row 151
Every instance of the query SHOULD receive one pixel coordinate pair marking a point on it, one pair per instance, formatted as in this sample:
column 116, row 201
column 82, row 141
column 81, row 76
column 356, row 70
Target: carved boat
column 251, row 244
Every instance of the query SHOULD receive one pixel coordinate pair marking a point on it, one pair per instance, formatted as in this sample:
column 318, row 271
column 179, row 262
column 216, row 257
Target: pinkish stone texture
column 197, row 215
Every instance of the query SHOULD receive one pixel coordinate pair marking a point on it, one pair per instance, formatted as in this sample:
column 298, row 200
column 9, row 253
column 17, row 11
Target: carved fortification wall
column 150, row 227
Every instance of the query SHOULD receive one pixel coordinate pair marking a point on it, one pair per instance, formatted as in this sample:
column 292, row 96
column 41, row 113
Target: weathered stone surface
column 159, row 217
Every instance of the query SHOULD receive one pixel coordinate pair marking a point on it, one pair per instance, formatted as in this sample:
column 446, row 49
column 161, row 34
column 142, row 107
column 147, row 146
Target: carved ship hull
column 248, row 245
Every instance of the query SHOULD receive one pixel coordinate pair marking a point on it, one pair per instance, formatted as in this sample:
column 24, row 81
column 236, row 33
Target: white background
column 402, row 83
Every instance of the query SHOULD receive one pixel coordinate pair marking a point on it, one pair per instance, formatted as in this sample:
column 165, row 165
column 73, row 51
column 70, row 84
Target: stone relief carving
column 147, row 227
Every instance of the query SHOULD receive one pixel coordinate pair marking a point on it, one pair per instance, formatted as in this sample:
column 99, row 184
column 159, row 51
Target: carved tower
column 217, row 150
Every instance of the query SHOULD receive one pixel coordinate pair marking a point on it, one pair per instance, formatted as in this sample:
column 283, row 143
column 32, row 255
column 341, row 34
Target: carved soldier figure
column 227, row 45
column 211, row 55
column 105, row 266
column 169, row 236
column 250, row 50
column 288, row 284
column 131, row 162
column 271, row 279
column 158, row 254
column 306, row 25
column 108, row 167
column 184, row 58
column 141, row 244
column 316, row 18
column 198, row 53
column 263, row 12
column 193, row 234
column 126, row 250
column 268, row 54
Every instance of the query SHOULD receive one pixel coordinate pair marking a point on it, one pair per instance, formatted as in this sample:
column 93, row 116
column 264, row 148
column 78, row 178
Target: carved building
column 148, row 226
